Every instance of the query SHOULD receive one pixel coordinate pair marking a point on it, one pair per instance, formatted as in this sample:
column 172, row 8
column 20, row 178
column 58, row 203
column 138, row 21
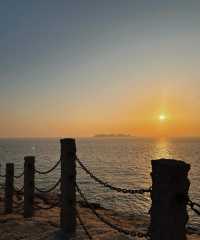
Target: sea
column 122, row 161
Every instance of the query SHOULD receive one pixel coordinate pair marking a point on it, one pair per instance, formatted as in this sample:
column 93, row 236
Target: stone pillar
column 29, row 185
column 169, row 195
column 9, row 190
column 68, row 187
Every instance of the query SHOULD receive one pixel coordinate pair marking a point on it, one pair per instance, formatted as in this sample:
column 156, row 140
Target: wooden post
column 169, row 195
column 9, row 188
column 29, row 185
column 68, row 188
column 2, row 185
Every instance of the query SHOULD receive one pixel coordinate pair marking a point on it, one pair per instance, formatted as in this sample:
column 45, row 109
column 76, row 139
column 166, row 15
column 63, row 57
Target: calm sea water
column 124, row 162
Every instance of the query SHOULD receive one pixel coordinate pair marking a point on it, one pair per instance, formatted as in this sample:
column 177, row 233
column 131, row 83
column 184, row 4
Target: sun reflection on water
column 162, row 149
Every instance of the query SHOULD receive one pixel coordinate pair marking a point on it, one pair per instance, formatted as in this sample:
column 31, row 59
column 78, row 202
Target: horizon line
column 94, row 136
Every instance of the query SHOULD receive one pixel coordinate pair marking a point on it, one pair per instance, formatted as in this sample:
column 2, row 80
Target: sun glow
column 162, row 117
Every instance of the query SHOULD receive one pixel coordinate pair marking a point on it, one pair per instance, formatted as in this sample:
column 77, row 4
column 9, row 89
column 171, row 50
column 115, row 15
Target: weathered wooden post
column 170, row 187
column 9, row 188
column 2, row 185
column 68, row 187
column 29, row 185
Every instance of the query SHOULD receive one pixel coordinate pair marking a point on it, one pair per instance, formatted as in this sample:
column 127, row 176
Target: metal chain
column 193, row 205
column 83, row 225
column 19, row 176
column 48, row 171
column 105, row 221
column 107, row 185
column 18, row 204
column 19, row 190
column 50, row 189
column 196, row 204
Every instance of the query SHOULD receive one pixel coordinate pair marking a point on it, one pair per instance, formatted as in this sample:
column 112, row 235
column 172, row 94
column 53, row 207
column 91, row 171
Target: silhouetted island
column 111, row 135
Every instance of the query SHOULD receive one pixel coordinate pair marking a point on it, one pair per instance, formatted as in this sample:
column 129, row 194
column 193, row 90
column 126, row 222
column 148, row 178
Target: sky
column 79, row 68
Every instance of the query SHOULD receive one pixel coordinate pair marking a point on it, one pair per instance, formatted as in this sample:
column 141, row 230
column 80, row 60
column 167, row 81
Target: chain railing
column 83, row 226
column 50, row 189
column 16, row 191
column 107, row 185
column 48, row 171
column 67, row 203
column 194, row 206
column 108, row 223
column 18, row 204
column 19, row 176
column 19, row 190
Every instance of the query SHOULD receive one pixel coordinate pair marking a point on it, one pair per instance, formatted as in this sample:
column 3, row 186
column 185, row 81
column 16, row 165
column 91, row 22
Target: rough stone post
column 170, row 187
column 68, row 187
column 29, row 185
column 9, row 188
column 2, row 175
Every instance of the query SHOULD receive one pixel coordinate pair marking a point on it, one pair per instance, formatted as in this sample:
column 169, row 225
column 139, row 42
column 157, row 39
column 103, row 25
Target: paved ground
column 44, row 226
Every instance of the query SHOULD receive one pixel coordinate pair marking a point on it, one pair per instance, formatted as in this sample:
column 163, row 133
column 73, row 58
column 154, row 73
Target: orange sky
column 91, row 68
column 137, row 115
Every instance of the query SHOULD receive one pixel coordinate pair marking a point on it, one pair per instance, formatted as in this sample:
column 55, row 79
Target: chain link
column 50, row 189
column 18, row 204
column 107, row 185
column 83, row 225
column 19, row 176
column 19, row 190
column 112, row 225
column 48, row 171
column 193, row 205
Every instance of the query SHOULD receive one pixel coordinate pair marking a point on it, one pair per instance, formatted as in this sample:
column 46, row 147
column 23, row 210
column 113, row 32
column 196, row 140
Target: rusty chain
column 18, row 204
column 107, row 185
column 19, row 190
column 19, row 176
column 192, row 205
column 48, row 171
column 83, row 225
column 112, row 225
column 50, row 189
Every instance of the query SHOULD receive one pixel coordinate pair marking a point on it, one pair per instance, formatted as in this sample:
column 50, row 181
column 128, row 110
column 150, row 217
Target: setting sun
column 162, row 117
column 121, row 71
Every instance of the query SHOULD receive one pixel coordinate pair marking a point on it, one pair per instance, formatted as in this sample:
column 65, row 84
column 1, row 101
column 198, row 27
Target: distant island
column 111, row 135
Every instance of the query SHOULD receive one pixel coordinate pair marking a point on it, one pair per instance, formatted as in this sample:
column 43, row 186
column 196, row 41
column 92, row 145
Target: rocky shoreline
column 44, row 224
